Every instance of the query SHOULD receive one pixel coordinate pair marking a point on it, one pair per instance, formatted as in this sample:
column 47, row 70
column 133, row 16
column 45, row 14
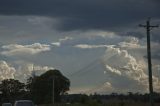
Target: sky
column 97, row 44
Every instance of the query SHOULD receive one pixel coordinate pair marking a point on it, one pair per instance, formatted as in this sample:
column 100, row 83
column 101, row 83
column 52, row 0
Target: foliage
column 41, row 87
column 113, row 99
column 11, row 89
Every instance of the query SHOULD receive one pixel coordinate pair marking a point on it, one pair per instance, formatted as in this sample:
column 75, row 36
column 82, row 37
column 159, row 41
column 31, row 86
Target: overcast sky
column 97, row 44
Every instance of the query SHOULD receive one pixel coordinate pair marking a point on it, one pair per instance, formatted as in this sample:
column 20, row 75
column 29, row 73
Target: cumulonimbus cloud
column 126, row 72
column 16, row 49
column 26, row 70
column 23, row 72
column 6, row 71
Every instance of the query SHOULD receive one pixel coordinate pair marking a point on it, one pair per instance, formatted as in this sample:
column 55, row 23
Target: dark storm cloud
column 85, row 14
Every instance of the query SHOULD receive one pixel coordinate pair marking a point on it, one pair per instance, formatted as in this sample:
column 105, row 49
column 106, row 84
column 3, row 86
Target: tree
column 41, row 87
column 11, row 89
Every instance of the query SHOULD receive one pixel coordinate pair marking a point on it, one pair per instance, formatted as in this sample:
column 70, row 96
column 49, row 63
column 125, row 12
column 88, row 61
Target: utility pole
column 148, row 29
column 33, row 72
column 53, row 92
column 158, row 70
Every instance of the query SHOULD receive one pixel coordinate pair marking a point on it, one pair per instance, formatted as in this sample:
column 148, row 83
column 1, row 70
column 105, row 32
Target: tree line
column 38, row 88
column 113, row 98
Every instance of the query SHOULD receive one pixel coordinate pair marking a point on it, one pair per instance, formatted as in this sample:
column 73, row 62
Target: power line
column 88, row 68
column 83, row 70
column 148, row 29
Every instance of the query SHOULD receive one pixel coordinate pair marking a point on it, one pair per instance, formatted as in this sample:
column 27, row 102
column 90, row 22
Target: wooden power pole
column 148, row 29
column 53, row 90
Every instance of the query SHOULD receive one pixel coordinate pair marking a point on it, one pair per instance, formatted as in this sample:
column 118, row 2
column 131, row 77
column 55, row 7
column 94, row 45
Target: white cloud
column 23, row 71
column 6, row 71
column 16, row 49
column 126, row 73
column 56, row 44
column 86, row 46
column 131, row 43
column 66, row 38
column 60, row 41
column 41, row 69
column 113, row 70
